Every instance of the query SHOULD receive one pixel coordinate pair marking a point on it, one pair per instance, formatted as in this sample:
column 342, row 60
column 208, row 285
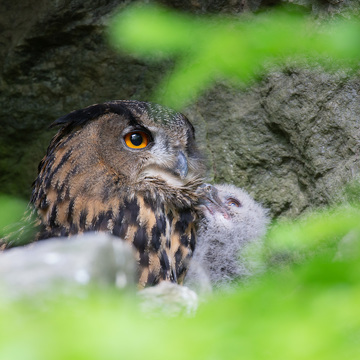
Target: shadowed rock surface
column 291, row 140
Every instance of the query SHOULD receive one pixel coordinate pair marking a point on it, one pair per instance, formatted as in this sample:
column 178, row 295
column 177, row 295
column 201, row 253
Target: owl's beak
column 209, row 197
column 181, row 166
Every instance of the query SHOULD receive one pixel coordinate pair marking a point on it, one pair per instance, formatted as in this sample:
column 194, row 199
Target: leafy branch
column 209, row 48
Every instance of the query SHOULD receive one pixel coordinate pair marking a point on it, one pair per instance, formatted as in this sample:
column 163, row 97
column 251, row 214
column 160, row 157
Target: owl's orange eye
column 233, row 202
column 136, row 139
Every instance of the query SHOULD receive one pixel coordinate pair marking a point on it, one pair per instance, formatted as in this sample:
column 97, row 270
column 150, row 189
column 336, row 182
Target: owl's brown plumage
column 129, row 168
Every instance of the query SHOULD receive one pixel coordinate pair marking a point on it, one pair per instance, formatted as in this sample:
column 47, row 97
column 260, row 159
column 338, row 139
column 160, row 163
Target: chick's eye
column 136, row 139
column 233, row 202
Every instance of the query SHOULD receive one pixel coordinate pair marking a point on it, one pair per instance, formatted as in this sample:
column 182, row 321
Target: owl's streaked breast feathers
column 129, row 168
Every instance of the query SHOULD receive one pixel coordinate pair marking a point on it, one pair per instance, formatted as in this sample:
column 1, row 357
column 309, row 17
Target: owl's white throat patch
column 167, row 176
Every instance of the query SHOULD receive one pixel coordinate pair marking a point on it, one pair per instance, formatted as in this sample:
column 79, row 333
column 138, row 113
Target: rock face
column 291, row 140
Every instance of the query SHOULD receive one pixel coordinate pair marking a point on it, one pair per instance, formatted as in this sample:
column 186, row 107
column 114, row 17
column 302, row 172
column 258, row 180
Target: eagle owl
column 129, row 168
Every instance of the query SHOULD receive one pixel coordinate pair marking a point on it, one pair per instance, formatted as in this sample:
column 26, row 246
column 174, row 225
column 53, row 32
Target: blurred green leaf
column 305, row 311
column 312, row 229
column 18, row 223
column 312, row 234
column 11, row 211
column 208, row 48
column 310, row 313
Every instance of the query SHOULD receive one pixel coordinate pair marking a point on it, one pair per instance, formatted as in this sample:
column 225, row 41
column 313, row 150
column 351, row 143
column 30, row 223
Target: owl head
column 232, row 211
column 134, row 141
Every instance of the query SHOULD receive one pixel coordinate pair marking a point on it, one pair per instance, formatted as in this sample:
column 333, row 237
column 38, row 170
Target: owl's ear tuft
column 80, row 117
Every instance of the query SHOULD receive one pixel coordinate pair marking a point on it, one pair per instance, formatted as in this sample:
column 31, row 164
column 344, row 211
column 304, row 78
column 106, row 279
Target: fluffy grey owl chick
column 232, row 220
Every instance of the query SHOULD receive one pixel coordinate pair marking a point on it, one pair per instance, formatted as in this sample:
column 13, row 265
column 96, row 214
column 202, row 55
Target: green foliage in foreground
column 11, row 211
column 207, row 48
column 306, row 310
column 290, row 316
column 17, row 222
